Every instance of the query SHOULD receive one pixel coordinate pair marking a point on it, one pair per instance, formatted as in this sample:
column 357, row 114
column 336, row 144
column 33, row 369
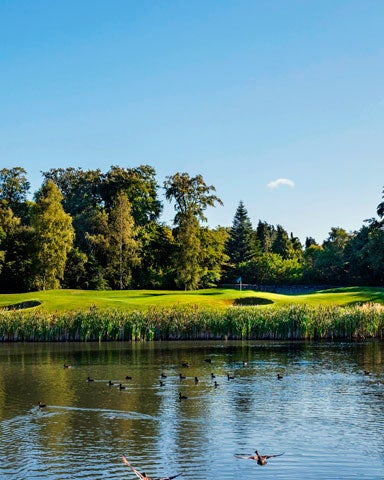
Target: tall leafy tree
column 8, row 224
column 113, row 245
column 189, row 266
column 157, row 250
column 331, row 263
column 140, row 186
column 81, row 190
column 191, row 196
column 54, row 236
column 213, row 255
column 124, row 248
column 14, row 188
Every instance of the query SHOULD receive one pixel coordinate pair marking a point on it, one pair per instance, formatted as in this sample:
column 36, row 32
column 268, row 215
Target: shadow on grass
column 210, row 293
column 21, row 305
column 249, row 301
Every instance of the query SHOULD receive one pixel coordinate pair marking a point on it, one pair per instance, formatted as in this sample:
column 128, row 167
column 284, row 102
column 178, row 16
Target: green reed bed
column 292, row 322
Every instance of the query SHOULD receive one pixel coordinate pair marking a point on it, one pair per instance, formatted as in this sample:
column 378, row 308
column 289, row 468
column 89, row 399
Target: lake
column 325, row 414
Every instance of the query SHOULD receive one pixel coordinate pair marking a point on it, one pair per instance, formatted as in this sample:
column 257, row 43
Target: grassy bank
column 218, row 299
column 297, row 322
column 76, row 315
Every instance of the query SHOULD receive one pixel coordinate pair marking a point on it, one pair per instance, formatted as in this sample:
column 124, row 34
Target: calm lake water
column 325, row 414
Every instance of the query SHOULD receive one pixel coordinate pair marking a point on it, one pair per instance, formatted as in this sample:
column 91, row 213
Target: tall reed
column 296, row 322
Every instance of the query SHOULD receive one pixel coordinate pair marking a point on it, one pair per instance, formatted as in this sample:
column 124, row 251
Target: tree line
column 94, row 230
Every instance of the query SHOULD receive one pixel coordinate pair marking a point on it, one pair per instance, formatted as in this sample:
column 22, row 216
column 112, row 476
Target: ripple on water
column 320, row 414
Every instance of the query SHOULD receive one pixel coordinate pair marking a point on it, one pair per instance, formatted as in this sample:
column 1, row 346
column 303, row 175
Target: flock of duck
column 260, row 459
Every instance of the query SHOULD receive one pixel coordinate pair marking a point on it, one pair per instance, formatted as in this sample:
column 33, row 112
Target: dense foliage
column 95, row 230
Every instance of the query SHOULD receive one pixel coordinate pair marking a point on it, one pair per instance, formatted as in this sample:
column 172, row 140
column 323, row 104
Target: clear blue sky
column 244, row 92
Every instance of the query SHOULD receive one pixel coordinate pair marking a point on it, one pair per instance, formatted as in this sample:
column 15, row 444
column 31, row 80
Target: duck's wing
column 244, row 455
column 170, row 478
column 136, row 472
column 270, row 456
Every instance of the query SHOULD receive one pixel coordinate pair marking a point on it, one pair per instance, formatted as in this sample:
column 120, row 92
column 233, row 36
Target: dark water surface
column 325, row 414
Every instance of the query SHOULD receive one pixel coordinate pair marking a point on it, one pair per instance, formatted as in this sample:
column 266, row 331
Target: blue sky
column 244, row 92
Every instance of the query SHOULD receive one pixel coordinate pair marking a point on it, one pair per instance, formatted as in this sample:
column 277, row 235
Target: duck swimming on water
column 142, row 475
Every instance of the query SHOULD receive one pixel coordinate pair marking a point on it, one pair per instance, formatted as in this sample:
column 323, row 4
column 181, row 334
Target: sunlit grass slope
column 77, row 300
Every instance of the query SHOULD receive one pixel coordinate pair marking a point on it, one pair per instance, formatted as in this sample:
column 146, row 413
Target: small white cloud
column 281, row 181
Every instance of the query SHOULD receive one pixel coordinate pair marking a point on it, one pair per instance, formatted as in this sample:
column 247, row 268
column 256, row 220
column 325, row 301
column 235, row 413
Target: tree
column 8, row 223
column 140, row 186
column 81, row 190
column 189, row 268
column 266, row 235
column 330, row 263
column 53, row 234
column 157, row 250
column 192, row 197
column 75, row 273
column 123, row 252
column 282, row 244
column 113, row 245
column 380, row 207
column 14, row 188
column 271, row 268
column 213, row 255
column 243, row 245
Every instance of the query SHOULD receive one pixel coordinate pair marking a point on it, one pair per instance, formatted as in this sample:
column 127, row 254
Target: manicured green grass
column 129, row 300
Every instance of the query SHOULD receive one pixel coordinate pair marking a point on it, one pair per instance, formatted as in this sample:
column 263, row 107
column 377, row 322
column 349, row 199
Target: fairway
column 215, row 298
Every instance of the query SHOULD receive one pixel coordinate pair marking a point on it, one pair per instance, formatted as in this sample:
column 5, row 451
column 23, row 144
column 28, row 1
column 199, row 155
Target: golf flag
column 238, row 280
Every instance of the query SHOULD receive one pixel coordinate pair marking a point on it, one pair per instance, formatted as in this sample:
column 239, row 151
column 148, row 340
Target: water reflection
column 321, row 413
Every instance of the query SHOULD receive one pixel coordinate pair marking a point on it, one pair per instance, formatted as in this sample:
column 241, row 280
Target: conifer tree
column 242, row 245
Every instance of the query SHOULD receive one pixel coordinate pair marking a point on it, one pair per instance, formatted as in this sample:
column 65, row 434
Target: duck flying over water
column 260, row 459
column 142, row 475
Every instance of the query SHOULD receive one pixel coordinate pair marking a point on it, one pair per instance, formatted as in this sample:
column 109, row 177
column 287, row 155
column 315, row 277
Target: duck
column 128, row 377
column 230, row 377
column 142, row 475
column 279, row 376
column 182, row 397
column 245, row 363
column 196, row 380
column 216, row 384
column 163, row 375
column 208, row 360
column 110, row 383
column 66, row 365
column 41, row 405
column 185, row 364
column 162, row 384
column 182, row 377
column 213, row 375
column 367, row 372
column 121, row 386
column 89, row 379
column 260, row 459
